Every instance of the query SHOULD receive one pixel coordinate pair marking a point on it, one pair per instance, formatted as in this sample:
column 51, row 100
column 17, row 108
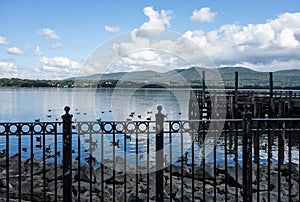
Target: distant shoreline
column 28, row 83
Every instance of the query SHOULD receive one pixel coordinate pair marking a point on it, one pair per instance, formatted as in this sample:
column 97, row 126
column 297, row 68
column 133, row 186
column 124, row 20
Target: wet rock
column 140, row 197
column 86, row 174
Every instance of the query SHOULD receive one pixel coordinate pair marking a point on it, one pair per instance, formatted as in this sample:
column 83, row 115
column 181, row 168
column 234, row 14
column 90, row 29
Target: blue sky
column 53, row 39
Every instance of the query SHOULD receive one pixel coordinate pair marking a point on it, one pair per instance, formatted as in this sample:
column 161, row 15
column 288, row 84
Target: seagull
column 183, row 158
column 91, row 149
column 38, row 139
column 128, row 136
column 3, row 153
column 90, row 159
column 24, row 149
column 94, row 144
column 38, row 146
column 48, row 149
column 115, row 143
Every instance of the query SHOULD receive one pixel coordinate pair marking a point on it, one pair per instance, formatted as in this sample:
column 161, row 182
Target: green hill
column 247, row 77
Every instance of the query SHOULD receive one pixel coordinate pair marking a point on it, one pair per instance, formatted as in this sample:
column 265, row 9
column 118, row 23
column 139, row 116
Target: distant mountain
column 247, row 77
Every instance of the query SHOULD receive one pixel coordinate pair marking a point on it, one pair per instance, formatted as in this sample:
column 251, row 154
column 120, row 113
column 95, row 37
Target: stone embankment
column 225, row 179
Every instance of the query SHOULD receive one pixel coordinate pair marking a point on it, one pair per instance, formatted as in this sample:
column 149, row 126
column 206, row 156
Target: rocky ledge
column 206, row 184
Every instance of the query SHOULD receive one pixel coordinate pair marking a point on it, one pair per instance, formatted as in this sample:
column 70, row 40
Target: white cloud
column 112, row 28
column 275, row 40
column 3, row 41
column 14, row 51
column 203, row 15
column 49, row 33
column 273, row 65
column 268, row 46
column 58, row 62
column 58, row 67
column 8, row 69
column 38, row 51
column 287, row 39
column 56, row 46
column 157, row 20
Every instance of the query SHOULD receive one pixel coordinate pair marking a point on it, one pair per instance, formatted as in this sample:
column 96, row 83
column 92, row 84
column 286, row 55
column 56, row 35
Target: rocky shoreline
column 224, row 183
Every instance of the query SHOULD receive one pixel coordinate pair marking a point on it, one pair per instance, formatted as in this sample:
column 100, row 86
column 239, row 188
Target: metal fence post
column 159, row 117
column 247, row 155
column 67, row 155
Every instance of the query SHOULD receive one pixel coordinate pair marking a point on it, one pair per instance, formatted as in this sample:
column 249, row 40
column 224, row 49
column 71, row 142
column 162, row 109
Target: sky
column 57, row 39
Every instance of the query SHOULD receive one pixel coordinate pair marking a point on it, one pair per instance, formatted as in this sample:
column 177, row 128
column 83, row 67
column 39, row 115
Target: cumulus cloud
column 8, row 69
column 14, row 51
column 112, row 28
column 268, row 46
column 49, row 33
column 157, row 20
column 203, row 15
column 273, row 65
column 275, row 40
column 58, row 62
column 58, row 67
column 3, row 41
column 56, row 46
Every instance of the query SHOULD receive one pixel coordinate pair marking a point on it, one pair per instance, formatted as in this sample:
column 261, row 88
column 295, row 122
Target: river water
column 46, row 104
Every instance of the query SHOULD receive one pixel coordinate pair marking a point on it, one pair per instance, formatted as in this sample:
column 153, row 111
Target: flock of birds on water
column 93, row 145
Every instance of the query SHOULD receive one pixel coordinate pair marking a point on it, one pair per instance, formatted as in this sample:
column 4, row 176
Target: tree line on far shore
column 16, row 82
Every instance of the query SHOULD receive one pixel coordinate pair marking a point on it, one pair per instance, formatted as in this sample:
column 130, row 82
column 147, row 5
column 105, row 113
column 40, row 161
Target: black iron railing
column 196, row 160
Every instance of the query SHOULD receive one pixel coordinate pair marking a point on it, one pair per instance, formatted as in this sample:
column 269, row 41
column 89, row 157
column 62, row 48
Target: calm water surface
column 46, row 104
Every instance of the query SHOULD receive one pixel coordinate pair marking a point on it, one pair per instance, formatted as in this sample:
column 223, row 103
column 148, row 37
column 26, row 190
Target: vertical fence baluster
column 31, row 160
column 236, row 159
column 19, row 129
column 171, row 157
column 280, row 161
column 181, row 149
column 247, row 155
column 193, row 166
column 114, row 163
column 102, row 159
column 55, row 159
column 137, row 162
column 225, row 161
column 159, row 117
column 67, row 155
column 148, row 159
column 290, row 160
column 44, row 160
column 204, row 131
column 125, row 162
column 79, row 161
column 7, row 128
column 215, row 167
column 269, row 164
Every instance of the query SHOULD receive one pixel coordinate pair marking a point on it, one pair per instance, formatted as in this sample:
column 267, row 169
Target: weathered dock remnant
column 263, row 103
